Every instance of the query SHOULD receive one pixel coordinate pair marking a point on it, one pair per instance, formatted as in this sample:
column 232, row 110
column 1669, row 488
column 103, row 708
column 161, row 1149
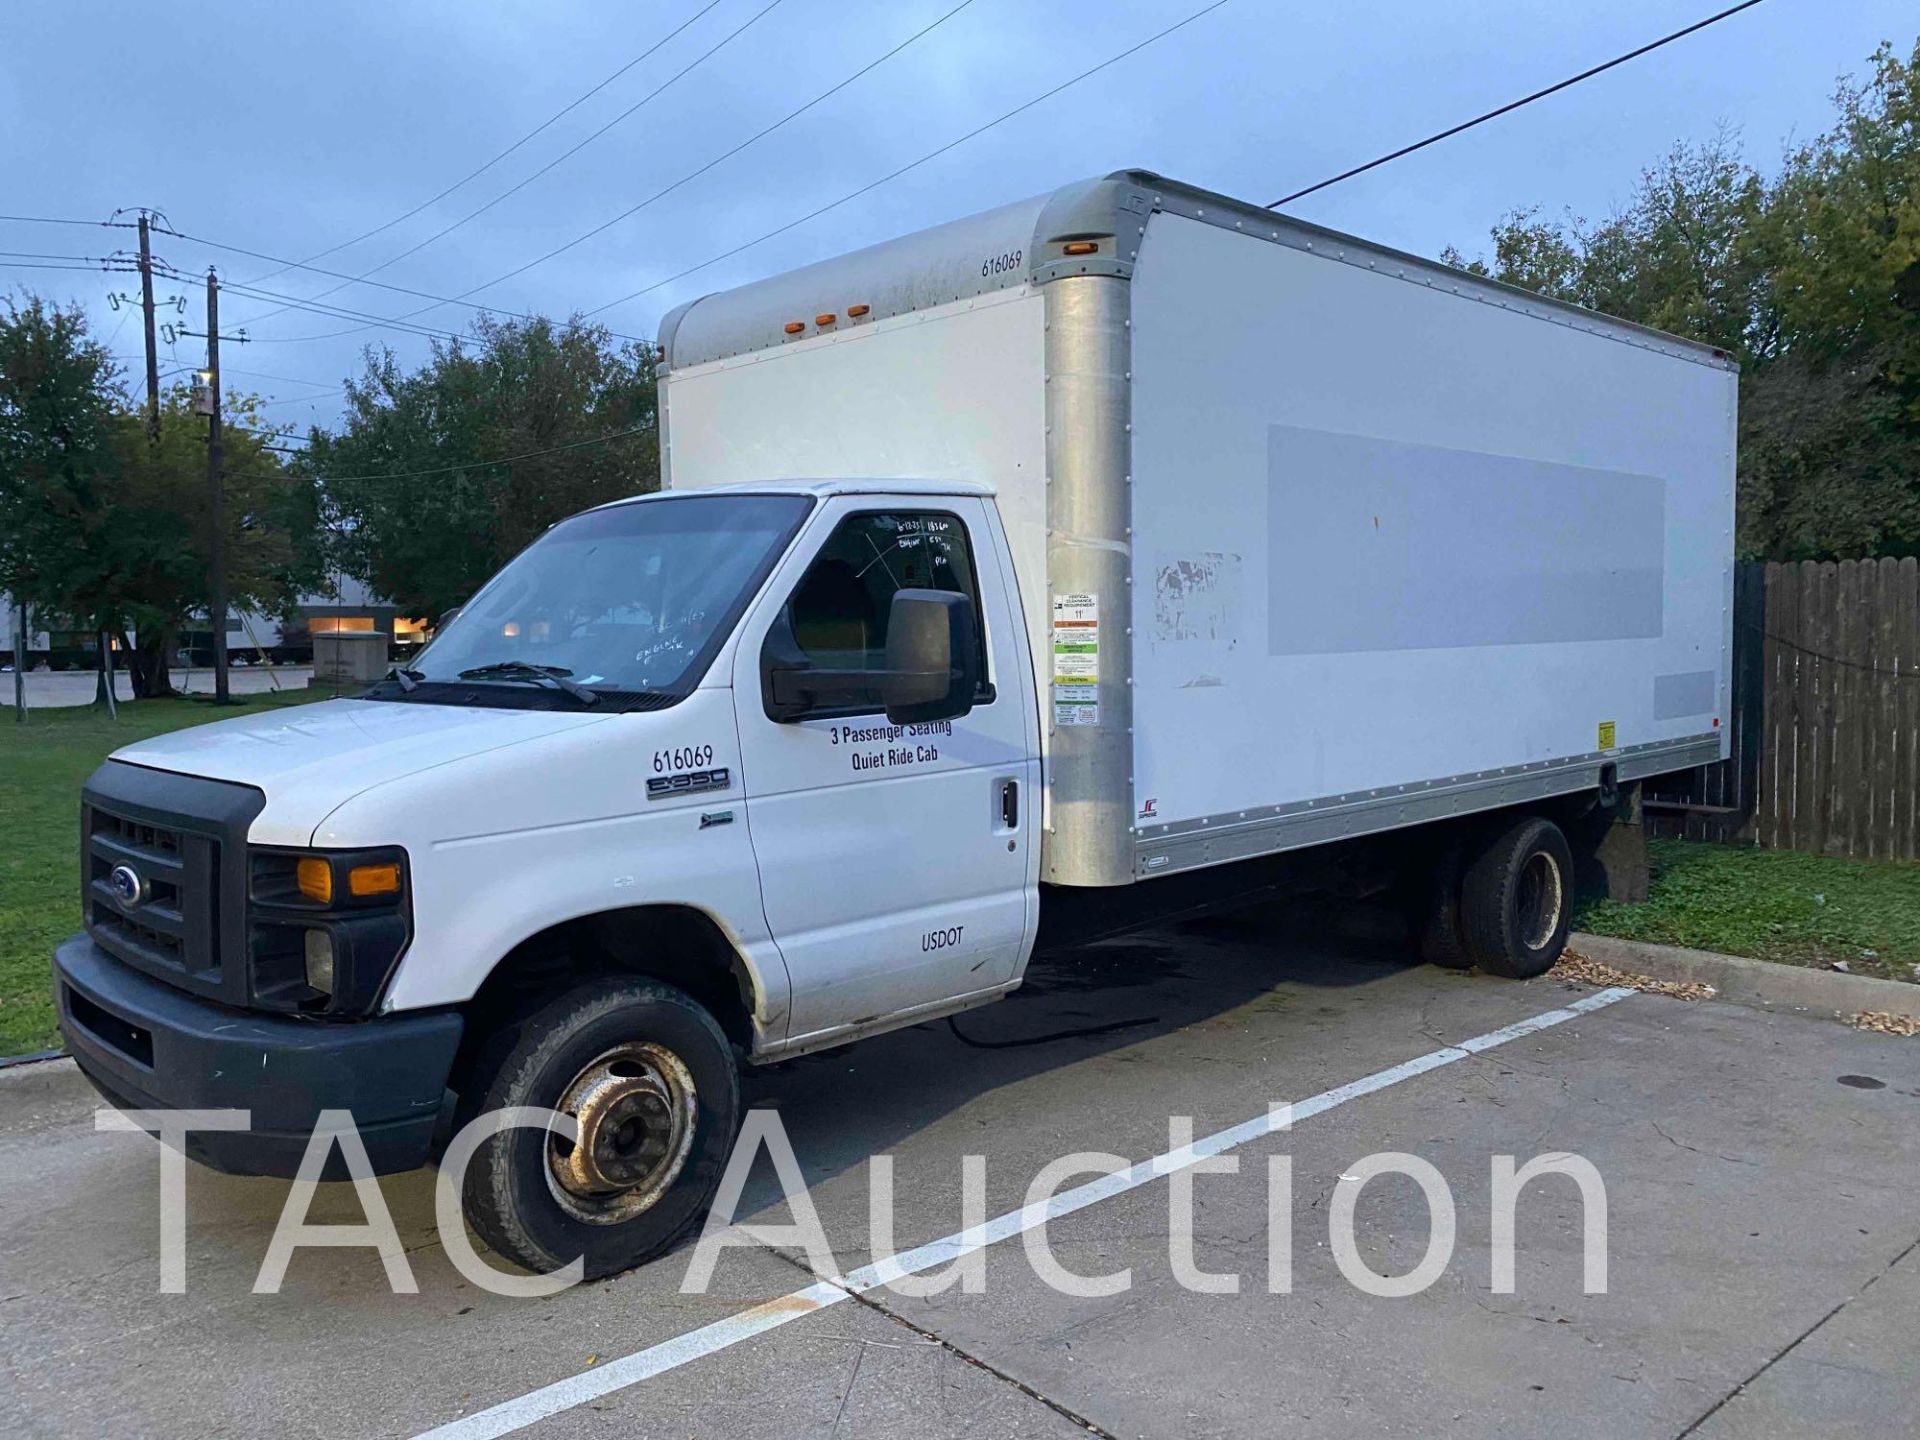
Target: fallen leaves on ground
column 1885, row 1022
column 1582, row 971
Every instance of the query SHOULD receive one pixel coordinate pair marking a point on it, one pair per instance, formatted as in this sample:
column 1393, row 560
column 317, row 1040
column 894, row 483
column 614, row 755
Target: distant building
column 347, row 604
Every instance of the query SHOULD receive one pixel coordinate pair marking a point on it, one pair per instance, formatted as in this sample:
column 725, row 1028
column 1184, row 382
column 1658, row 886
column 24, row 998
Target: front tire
column 654, row 1087
column 1516, row 900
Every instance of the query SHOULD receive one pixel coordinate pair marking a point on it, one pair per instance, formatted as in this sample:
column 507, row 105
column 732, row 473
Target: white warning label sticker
column 1076, row 659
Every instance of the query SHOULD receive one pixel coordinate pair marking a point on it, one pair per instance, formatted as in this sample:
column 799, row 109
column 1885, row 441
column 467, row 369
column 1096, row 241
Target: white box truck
column 1127, row 542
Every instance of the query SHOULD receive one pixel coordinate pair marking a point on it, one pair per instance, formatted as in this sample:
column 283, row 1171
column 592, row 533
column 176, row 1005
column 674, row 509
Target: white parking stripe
column 537, row 1405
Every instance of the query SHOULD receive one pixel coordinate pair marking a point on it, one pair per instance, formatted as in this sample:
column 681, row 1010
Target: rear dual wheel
column 1503, row 902
column 1516, row 900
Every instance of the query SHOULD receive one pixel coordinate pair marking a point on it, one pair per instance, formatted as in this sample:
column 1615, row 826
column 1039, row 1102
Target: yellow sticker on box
column 1606, row 735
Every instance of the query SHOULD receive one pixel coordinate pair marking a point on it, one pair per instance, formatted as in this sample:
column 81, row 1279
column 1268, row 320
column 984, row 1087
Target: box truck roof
column 821, row 489
column 1091, row 227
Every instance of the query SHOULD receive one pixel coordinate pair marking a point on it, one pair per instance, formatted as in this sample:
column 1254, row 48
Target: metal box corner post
column 1086, row 687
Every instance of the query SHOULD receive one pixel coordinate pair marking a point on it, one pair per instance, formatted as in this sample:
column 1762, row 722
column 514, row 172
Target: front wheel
column 651, row 1082
column 1516, row 900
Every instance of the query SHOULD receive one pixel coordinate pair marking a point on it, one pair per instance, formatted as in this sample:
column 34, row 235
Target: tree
column 59, row 393
column 111, row 530
column 273, row 541
column 579, row 410
column 1810, row 279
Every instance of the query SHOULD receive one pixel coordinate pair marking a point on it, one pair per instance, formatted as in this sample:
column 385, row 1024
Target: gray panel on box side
column 1384, row 545
column 1687, row 692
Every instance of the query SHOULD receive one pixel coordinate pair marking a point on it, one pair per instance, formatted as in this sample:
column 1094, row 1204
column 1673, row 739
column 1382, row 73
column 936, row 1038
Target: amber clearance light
column 373, row 880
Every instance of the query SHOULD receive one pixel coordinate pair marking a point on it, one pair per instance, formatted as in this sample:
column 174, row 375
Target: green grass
column 1776, row 905
column 42, row 766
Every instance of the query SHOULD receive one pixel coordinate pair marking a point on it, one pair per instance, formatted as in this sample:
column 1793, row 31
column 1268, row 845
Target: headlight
column 326, row 928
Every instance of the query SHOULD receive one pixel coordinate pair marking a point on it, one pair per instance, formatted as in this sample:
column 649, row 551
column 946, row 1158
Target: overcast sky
column 289, row 128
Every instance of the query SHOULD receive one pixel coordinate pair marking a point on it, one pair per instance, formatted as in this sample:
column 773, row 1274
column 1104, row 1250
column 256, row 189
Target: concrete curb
column 32, row 1057
column 1759, row 984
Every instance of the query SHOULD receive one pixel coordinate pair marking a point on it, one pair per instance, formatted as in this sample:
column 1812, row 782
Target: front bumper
column 146, row 1045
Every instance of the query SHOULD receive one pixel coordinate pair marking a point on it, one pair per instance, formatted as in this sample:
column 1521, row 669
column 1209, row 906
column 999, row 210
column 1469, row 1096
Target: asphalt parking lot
column 1762, row 1175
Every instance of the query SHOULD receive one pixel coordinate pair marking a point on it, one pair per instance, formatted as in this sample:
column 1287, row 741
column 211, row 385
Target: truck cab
column 681, row 750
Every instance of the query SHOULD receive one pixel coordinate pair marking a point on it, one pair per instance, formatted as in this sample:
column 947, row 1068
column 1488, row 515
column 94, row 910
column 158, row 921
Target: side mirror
column 932, row 669
column 933, row 657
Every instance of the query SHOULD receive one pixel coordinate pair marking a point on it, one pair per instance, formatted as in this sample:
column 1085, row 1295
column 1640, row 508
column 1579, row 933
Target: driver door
column 894, row 860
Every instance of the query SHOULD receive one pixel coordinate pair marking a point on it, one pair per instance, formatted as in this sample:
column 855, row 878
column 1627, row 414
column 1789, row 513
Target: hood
column 312, row 759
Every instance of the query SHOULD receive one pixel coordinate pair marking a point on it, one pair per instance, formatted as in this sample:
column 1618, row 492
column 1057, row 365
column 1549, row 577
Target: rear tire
column 1435, row 913
column 1516, row 900
column 654, row 1085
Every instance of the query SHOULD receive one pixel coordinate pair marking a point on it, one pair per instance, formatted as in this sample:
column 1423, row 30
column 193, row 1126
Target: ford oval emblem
column 127, row 885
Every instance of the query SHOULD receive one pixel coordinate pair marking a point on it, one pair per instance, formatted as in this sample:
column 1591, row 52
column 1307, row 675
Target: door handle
column 1010, row 804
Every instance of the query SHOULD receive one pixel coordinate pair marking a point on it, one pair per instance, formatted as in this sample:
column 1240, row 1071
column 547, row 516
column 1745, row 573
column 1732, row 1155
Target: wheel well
column 683, row 946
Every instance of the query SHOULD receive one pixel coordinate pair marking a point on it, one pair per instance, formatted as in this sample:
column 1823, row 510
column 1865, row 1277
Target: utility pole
column 153, row 355
column 20, row 661
column 216, row 485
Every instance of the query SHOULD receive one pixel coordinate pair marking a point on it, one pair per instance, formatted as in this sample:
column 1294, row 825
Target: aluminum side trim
column 1266, row 830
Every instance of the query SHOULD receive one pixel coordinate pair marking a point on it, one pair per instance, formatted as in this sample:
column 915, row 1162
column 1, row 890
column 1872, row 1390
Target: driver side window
column 839, row 610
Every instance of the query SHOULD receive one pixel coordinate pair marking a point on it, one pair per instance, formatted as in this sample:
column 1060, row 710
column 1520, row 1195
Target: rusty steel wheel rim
column 635, row 1106
column 1542, row 896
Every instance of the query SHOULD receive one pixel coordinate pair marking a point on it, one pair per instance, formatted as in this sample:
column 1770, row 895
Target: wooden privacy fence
column 1825, row 723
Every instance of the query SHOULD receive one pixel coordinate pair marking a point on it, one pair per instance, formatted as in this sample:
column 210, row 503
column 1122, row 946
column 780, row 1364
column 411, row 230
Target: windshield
column 631, row 599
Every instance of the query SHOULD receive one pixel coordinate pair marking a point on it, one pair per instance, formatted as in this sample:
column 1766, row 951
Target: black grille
column 173, row 925
column 183, row 841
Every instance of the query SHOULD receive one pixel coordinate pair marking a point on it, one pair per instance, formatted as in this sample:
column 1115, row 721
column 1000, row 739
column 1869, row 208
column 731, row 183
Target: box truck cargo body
column 1111, row 550
column 1313, row 538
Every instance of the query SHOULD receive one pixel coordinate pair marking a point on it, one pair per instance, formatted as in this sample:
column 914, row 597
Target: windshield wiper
column 409, row 679
column 554, row 675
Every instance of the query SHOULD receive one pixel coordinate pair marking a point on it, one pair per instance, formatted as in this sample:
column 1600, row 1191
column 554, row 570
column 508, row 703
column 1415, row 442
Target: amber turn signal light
column 1082, row 247
column 315, row 878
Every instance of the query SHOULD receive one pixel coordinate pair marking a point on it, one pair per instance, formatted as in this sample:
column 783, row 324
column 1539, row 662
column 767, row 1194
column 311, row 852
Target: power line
column 720, row 159
column 564, row 155
column 1868, row 666
column 337, row 312
column 475, row 174
column 852, row 195
column 298, row 301
column 47, row 255
column 1513, row 105
column 399, row 321
column 265, row 375
column 43, row 265
column 300, row 399
column 65, row 220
